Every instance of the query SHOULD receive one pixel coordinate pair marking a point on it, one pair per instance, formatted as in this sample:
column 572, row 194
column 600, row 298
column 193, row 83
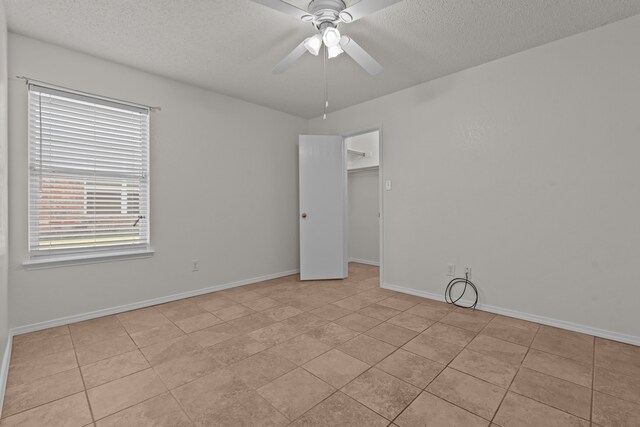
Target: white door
column 323, row 207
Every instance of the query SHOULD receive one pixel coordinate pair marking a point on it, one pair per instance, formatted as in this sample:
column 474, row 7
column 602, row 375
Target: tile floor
column 329, row 353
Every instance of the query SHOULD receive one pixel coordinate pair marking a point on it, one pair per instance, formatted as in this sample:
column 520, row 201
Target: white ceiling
column 230, row 46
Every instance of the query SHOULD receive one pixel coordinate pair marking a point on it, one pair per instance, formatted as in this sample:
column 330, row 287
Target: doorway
column 340, row 191
column 363, row 197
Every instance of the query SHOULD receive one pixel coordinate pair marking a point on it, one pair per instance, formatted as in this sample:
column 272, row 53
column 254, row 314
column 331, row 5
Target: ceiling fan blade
column 290, row 58
column 364, row 8
column 359, row 55
column 283, row 7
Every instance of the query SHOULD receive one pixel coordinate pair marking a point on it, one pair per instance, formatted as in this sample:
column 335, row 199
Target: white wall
column 223, row 189
column 4, row 255
column 364, row 227
column 525, row 169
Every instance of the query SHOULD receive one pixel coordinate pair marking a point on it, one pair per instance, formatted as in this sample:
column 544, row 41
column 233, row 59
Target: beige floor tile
column 278, row 314
column 559, row 367
column 180, row 310
column 233, row 312
column 498, row 328
column 235, row 349
column 552, row 391
column 616, row 356
column 301, row 305
column 358, row 322
column 521, row 411
column 610, row 411
column 180, row 361
column 391, row 334
column 380, row 312
column 38, row 335
column 70, row 411
column 429, row 312
column 22, row 397
column 215, row 334
column 375, row 295
column 332, row 334
column 113, row 368
column 251, row 322
column 367, row 349
column 156, row 334
column 305, row 322
column 616, row 384
column 197, row 322
column 160, row 411
column 431, row 411
column 411, row 368
column 202, row 398
column 41, row 347
column 250, row 409
column 411, row 321
column 498, row 349
column 336, row 367
column 114, row 396
column 432, row 348
column 212, row 302
column 30, row 369
column 353, row 303
column 397, row 303
column 243, row 296
column 301, row 349
column 95, row 352
column 485, row 367
column 96, row 331
column 571, row 345
column 274, row 334
column 295, row 392
column 331, row 312
column 470, row 393
column 261, row 368
column 261, row 304
column 450, row 334
column 513, row 322
column 381, row 392
column 340, row 410
column 144, row 318
column 471, row 320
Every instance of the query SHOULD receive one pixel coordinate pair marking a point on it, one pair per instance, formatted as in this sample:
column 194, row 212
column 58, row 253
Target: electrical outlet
column 195, row 265
column 452, row 270
column 467, row 272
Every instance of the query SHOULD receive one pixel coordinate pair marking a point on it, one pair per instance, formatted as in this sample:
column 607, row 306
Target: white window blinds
column 88, row 174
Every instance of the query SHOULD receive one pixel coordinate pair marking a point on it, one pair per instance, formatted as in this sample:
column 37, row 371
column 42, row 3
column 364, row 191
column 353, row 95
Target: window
column 88, row 175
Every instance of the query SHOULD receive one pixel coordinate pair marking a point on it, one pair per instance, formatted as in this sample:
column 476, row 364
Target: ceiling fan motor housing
column 326, row 12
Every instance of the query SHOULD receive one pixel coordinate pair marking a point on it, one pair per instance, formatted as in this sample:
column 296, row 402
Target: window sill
column 37, row 263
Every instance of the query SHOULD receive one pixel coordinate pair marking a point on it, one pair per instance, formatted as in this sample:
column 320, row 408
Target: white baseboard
column 142, row 304
column 4, row 368
column 602, row 333
column 364, row 261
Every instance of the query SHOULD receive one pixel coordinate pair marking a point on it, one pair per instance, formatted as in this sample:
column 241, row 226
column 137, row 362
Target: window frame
column 37, row 260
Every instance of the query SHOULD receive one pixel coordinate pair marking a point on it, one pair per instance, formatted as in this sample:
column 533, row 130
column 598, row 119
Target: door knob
column 304, row 215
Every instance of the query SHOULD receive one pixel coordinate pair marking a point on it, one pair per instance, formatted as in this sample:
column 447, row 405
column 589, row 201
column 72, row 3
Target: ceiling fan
column 325, row 16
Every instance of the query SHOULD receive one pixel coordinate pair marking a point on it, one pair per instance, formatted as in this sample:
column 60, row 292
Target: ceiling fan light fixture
column 345, row 17
column 333, row 51
column 331, row 37
column 313, row 44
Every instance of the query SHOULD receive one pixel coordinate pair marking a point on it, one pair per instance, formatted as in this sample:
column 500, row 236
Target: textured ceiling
column 230, row 46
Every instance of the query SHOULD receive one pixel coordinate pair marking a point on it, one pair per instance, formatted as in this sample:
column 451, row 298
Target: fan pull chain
column 326, row 85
